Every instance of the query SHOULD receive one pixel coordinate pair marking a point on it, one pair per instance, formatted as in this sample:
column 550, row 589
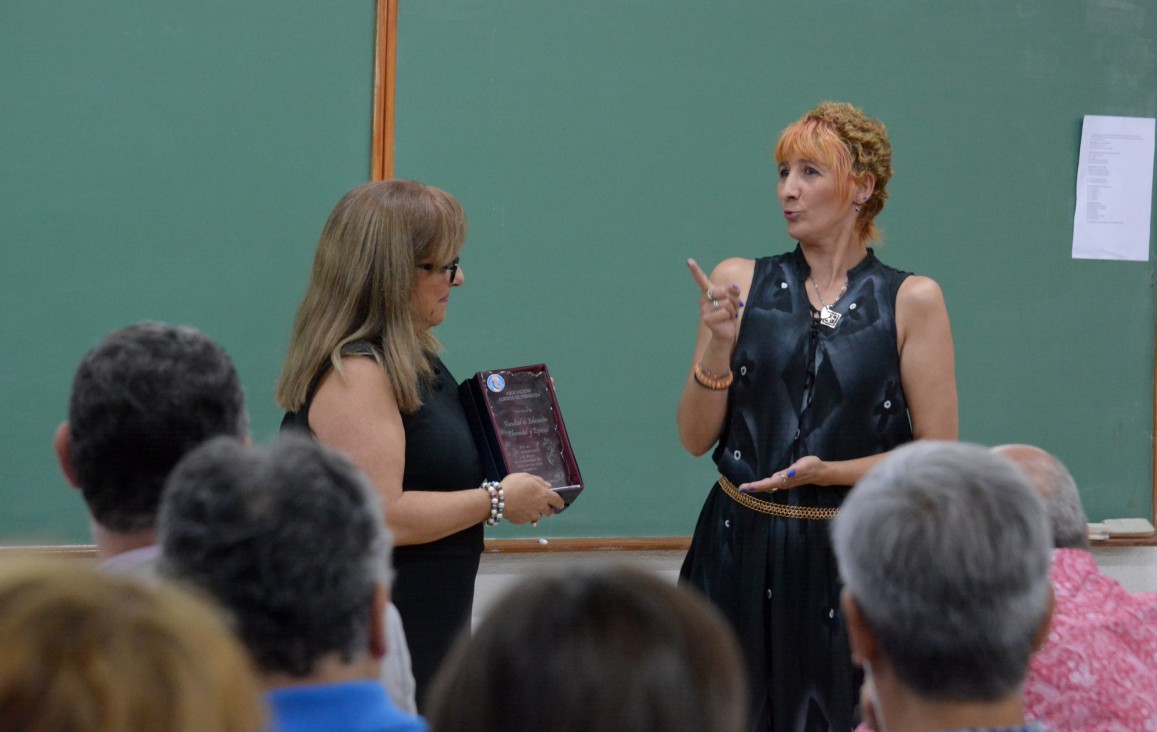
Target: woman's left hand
column 805, row 471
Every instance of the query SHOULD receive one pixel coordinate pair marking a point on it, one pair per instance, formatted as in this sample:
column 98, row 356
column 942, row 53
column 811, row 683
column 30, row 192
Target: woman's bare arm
column 701, row 411
column 357, row 413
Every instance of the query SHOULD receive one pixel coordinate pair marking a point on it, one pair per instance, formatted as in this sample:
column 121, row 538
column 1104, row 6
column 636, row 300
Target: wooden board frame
column 385, row 76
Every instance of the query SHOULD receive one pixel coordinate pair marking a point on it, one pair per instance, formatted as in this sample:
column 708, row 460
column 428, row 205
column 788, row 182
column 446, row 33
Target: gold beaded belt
column 776, row 509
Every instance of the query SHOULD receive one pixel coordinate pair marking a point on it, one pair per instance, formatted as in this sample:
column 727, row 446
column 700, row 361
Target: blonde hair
column 85, row 651
column 853, row 145
column 361, row 287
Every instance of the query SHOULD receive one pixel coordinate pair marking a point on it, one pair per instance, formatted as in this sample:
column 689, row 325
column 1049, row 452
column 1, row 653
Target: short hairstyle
column 141, row 399
column 944, row 548
column 1055, row 485
column 86, row 651
column 612, row 649
column 287, row 537
column 853, row 145
column 361, row 286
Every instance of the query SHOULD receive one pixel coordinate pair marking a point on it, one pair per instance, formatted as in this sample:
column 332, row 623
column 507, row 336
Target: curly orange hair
column 853, row 145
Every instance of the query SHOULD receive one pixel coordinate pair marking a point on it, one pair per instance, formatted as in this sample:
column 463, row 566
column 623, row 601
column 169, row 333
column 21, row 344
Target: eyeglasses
column 452, row 268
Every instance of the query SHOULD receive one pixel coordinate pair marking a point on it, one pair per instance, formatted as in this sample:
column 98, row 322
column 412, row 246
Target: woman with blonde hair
column 363, row 375
column 81, row 650
column 809, row 366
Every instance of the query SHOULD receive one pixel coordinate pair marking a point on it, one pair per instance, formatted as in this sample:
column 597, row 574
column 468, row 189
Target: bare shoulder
column 360, row 378
column 736, row 270
column 360, row 367
column 919, row 296
column 922, row 315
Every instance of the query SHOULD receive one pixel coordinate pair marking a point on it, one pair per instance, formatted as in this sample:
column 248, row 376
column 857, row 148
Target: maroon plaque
column 518, row 427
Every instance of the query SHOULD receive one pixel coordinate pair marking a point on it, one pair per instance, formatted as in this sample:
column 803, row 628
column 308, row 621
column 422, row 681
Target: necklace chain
column 828, row 317
column 819, row 295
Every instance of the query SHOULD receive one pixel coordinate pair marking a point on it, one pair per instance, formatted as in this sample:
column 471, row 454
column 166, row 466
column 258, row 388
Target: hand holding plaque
column 518, row 427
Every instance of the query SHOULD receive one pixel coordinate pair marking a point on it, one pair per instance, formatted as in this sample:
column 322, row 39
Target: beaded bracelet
column 708, row 380
column 497, row 501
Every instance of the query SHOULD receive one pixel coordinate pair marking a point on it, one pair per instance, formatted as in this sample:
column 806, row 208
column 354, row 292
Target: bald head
column 1053, row 482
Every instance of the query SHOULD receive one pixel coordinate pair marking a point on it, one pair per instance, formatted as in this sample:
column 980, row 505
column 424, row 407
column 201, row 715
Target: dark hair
column 288, row 537
column 607, row 649
column 141, row 399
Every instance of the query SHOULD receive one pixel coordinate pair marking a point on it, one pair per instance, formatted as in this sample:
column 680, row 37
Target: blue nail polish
column 743, row 490
column 741, row 303
column 791, row 473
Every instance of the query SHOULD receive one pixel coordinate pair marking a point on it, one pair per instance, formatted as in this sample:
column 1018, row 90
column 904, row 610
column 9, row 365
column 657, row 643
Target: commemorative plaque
column 518, row 427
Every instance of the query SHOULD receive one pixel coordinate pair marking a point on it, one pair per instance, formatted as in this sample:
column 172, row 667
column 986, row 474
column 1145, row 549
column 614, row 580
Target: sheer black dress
column 765, row 559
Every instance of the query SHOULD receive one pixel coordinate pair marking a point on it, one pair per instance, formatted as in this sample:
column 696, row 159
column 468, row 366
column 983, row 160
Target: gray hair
column 141, row 399
column 945, row 550
column 1055, row 485
column 288, row 537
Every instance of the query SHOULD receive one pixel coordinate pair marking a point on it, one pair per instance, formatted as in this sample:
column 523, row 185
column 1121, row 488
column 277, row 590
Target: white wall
column 1133, row 567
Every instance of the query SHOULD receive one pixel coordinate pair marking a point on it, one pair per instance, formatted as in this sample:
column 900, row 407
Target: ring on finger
column 783, row 479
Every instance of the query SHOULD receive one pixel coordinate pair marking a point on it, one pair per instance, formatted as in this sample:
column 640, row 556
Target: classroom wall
column 1134, row 567
column 175, row 161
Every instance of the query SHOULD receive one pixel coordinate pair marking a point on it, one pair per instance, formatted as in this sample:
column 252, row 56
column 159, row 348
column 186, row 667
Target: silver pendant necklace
column 828, row 317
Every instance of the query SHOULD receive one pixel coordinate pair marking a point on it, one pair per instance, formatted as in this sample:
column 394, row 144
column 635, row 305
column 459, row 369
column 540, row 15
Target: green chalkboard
column 161, row 160
column 597, row 144
column 176, row 161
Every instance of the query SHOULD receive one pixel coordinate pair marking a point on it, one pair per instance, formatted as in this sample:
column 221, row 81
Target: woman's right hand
column 702, row 410
column 718, row 305
column 528, row 498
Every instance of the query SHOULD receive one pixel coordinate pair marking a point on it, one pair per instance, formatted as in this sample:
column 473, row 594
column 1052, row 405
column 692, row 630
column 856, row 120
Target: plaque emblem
column 495, row 383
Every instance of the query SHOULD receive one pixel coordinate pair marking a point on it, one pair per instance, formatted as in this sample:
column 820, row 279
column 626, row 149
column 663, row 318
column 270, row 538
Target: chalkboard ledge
column 608, row 544
column 679, row 543
column 529, row 546
column 1125, row 541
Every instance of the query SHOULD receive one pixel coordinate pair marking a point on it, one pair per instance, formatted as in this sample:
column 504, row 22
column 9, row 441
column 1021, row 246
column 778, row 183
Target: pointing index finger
column 699, row 275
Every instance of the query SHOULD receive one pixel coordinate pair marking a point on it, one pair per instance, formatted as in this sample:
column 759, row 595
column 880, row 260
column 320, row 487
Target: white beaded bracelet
column 497, row 501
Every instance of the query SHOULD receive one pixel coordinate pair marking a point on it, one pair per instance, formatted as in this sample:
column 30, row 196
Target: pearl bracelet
column 497, row 501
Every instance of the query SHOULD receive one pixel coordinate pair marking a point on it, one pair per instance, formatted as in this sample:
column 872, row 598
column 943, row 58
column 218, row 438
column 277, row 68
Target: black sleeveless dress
column 433, row 583
column 800, row 389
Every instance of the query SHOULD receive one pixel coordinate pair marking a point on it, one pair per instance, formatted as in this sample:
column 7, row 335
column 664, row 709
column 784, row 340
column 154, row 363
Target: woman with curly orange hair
column 809, row 366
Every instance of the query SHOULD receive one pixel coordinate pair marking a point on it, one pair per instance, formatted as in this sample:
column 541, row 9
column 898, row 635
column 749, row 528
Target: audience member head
column 288, row 538
column 1056, row 487
column 141, row 399
column 597, row 649
column 944, row 552
column 85, row 651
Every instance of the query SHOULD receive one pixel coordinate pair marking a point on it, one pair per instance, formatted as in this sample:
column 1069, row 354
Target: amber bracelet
column 710, row 381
